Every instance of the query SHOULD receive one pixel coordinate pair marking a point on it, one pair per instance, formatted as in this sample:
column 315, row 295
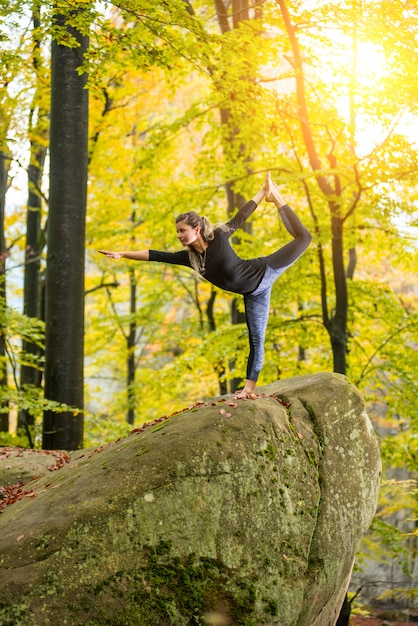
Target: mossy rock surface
column 19, row 465
column 224, row 515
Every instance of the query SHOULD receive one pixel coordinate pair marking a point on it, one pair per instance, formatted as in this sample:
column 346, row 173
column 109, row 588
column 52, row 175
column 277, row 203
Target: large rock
column 218, row 515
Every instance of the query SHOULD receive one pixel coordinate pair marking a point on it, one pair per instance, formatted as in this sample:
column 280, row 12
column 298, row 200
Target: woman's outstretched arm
column 134, row 255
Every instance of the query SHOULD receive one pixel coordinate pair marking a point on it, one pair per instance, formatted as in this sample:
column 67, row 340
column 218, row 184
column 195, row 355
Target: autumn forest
column 115, row 117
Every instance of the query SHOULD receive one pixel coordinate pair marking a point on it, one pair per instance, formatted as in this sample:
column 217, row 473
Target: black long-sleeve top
column 223, row 267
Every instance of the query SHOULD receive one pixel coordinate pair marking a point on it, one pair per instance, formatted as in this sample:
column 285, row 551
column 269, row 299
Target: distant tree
column 4, row 168
column 33, row 302
column 64, row 340
column 6, row 105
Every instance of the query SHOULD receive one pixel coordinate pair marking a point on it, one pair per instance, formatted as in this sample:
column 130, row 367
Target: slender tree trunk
column 64, row 342
column 344, row 616
column 338, row 326
column 131, row 339
column 32, row 289
column 31, row 375
column 4, row 170
column 301, row 347
column 219, row 367
column 130, row 344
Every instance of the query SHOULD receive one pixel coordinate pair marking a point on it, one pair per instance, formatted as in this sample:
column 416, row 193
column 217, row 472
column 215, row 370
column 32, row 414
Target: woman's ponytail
column 206, row 230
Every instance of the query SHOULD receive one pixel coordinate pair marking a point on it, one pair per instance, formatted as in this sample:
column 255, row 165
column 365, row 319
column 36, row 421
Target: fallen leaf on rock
column 281, row 401
column 247, row 396
column 62, row 459
column 194, row 407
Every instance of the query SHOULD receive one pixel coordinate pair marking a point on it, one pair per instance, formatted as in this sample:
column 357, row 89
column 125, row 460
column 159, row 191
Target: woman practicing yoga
column 210, row 253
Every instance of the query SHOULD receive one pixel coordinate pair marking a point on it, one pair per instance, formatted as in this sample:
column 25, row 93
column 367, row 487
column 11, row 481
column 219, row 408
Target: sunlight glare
column 371, row 63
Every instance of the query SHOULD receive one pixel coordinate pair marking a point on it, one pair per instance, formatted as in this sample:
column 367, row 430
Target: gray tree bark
column 64, row 342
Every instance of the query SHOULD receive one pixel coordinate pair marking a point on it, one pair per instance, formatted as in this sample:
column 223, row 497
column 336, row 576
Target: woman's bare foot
column 269, row 188
column 243, row 395
column 248, row 391
column 260, row 195
column 273, row 194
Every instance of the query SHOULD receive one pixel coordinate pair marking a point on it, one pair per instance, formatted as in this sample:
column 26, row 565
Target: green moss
column 272, row 607
column 311, row 457
column 143, row 449
column 291, row 452
column 269, row 452
column 175, row 591
column 159, row 427
column 15, row 615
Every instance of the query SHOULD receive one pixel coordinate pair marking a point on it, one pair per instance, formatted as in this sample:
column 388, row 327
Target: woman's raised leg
column 288, row 254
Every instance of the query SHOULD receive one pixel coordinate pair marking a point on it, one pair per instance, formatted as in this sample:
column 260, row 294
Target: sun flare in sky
column 360, row 69
column 370, row 63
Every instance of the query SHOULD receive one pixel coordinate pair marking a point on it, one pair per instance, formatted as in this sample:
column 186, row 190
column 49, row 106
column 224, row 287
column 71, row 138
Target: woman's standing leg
column 257, row 309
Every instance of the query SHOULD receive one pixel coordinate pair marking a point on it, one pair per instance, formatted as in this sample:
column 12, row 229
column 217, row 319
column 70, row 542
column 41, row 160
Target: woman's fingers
column 109, row 254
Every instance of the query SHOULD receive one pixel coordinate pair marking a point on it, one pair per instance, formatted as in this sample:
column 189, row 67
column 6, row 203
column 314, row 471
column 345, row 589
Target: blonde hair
column 207, row 231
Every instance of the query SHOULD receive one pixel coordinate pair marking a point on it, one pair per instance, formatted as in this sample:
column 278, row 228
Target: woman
column 210, row 253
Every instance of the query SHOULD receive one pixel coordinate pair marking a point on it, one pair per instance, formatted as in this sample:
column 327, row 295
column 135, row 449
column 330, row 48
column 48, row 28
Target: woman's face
column 187, row 234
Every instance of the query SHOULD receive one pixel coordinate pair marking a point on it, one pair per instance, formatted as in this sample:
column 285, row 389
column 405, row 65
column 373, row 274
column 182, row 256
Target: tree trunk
column 30, row 375
column 64, row 342
column 4, row 170
column 344, row 616
column 219, row 366
column 338, row 326
column 32, row 289
column 130, row 344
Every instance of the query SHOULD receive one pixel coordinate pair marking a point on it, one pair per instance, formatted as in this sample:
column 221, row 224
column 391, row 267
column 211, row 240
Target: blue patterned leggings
column 257, row 303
